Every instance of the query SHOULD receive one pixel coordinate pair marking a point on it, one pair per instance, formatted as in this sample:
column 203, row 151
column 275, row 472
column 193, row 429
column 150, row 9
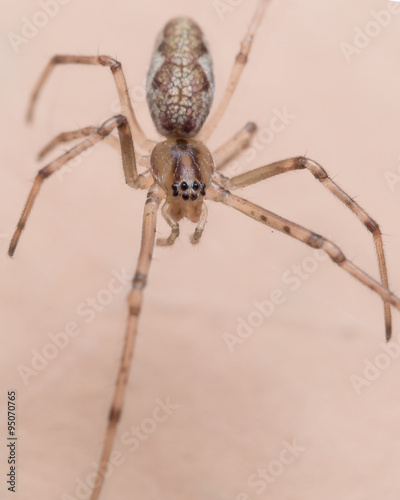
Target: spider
column 181, row 173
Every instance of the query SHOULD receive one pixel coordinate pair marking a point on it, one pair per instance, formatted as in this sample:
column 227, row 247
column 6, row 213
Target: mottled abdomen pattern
column 180, row 81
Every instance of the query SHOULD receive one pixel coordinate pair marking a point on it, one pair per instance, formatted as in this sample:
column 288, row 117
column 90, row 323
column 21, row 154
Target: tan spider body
column 180, row 91
column 182, row 173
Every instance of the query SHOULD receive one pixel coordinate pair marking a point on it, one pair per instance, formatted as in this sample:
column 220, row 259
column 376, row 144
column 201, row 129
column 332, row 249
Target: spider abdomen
column 180, row 81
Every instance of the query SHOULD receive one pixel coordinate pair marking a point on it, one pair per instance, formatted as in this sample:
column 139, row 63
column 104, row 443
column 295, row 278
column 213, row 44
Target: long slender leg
column 237, row 70
column 321, row 175
column 128, row 161
column 135, row 299
column 234, row 145
column 142, row 161
column 120, row 82
column 75, row 134
column 166, row 242
column 218, row 193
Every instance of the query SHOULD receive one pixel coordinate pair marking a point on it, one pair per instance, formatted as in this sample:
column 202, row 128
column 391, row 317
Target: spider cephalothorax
column 183, row 168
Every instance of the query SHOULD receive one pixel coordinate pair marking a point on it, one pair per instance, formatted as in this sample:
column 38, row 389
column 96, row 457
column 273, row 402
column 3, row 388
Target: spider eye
column 203, row 189
column 184, row 185
column 185, row 196
column 194, row 196
column 196, row 185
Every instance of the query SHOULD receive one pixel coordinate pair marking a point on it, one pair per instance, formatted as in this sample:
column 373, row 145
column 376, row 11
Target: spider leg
column 195, row 238
column 75, row 134
column 234, row 145
column 166, row 242
column 237, row 70
column 128, row 161
column 321, row 175
column 120, row 82
column 314, row 240
column 112, row 140
column 154, row 197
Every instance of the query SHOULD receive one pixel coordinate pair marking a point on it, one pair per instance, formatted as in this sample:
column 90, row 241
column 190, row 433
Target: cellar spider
column 181, row 172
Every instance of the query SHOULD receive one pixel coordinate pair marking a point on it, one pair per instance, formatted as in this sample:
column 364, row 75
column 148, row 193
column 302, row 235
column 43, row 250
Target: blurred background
column 301, row 402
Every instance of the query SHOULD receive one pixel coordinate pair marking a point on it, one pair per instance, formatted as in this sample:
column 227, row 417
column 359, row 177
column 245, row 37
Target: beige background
column 291, row 379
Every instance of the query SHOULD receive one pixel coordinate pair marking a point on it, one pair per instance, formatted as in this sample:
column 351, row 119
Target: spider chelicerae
column 180, row 173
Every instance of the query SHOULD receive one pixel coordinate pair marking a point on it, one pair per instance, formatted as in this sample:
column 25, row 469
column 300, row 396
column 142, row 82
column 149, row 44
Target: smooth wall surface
column 306, row 403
